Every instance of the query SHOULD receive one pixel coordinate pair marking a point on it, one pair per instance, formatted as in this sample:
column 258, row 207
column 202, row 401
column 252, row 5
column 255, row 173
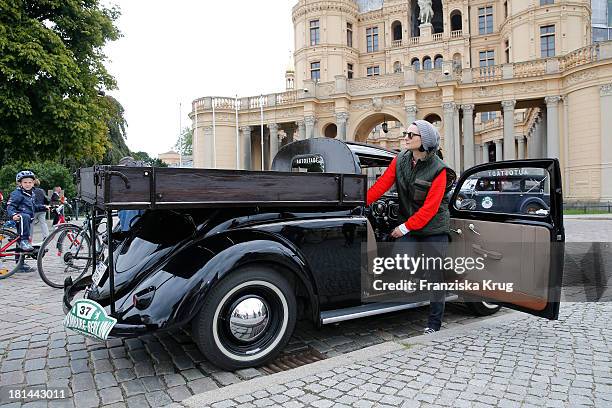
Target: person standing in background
column 40, row 217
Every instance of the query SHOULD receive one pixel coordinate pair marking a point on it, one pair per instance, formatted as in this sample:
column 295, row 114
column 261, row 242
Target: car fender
column 181, row 285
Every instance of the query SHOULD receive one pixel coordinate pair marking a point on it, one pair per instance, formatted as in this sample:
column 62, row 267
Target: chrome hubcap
column 249, row 318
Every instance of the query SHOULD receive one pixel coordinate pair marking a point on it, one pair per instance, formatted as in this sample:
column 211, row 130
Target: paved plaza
column 168, row 368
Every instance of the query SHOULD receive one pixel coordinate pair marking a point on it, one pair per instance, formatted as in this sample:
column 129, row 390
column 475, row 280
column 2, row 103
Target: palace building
column 500, row 79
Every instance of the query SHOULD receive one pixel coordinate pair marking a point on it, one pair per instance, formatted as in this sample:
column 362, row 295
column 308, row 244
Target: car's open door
column 522, row 250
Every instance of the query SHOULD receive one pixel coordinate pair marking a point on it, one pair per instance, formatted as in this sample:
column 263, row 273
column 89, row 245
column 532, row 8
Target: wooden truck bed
column 117, row 187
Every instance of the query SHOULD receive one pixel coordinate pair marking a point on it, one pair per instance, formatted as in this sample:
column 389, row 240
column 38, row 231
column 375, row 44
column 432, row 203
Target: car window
column 506, row 191
column 373, row 174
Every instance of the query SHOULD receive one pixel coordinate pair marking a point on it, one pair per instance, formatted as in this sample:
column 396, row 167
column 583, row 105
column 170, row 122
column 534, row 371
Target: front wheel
column 66, row 252
column 246, row 319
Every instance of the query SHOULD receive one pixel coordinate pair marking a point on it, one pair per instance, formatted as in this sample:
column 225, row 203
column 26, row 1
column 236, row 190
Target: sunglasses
column 410, row 135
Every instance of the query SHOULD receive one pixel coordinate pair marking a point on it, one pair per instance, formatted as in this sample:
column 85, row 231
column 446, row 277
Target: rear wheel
column 66, row 252
column 246, row 319
column 11, row 259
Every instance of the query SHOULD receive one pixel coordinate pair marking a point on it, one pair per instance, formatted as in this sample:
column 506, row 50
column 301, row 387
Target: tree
column 116, row 133
column 184, row 143
column 51, row 76
column 148, row 160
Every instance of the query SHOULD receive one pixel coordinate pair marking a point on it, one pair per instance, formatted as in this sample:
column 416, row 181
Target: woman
column 422, row 180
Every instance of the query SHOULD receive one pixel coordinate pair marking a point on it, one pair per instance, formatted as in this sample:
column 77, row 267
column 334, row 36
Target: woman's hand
column 397, row 233
column 16, row 217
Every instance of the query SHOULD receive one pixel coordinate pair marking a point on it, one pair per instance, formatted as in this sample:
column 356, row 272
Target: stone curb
column 256, row 384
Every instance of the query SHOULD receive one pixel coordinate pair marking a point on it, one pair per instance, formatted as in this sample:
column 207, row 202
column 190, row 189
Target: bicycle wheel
column 11, row 259
column 66, row 252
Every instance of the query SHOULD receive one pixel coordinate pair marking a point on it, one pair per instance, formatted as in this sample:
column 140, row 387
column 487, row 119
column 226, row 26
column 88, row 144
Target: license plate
column 88, row 318
column 97, row 276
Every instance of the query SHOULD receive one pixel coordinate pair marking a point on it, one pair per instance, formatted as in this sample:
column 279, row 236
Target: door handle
column 471, row 227
column 457, row 231
column 489, row 254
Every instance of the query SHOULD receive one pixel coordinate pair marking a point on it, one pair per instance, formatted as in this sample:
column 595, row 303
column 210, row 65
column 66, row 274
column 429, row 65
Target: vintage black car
column 241, row 255
column 514, row 190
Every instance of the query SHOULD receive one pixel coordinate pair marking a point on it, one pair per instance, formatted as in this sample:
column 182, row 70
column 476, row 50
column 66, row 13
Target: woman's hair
column 440, row 155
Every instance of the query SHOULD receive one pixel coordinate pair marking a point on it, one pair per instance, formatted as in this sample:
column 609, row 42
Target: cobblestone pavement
column 527, row 362
column 157, row 370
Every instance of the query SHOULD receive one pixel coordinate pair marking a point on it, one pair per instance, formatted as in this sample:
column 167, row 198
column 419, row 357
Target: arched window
column 434, row 119
column 397, row 67
column 396, row 29
column 427, row 63
column 416, row 64
column 438, row 61
column 455, row 19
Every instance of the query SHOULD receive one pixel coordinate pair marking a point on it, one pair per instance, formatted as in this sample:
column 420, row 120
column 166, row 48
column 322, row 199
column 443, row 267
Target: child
column 21, row 207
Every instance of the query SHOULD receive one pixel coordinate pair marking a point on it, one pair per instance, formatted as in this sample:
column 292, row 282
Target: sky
column 174, row 52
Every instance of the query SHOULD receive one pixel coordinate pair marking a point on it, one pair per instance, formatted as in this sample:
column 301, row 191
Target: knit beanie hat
column 430, row 138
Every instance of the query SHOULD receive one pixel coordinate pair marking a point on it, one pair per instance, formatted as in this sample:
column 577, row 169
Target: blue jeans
column 23, row 226
column 432, row 246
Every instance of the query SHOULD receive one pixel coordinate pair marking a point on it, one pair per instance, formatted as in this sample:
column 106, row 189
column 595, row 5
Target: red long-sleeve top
column 432, row 201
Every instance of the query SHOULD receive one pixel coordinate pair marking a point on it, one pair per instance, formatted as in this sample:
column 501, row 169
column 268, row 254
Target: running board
column 371, row 309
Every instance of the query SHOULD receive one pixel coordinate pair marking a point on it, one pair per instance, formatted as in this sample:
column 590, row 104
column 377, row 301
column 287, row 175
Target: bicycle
column 11, row 256
column 67, row 251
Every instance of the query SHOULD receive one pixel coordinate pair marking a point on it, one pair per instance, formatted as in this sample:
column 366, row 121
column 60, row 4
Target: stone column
column 508, row 110
column 485, row 152
column 605, row 109
column 498, row 150
column 309, row 122
column 341, row 119
column 457, row 140
column 552, row 126
column 449, row 146
column 301, row 130
column 245, row 163
column 521, row 146
column 543, row 135
column 274, row 142
column 411, row 111
column 468, row 136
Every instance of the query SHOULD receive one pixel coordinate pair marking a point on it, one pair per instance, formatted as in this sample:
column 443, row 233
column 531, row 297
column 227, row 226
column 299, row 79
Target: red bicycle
column 11, row 256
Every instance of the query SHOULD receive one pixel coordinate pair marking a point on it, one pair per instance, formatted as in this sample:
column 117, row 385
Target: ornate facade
column 500, row 79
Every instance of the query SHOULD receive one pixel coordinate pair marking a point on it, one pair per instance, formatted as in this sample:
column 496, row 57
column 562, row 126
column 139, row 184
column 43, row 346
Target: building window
column 396, row 29
column 349, row 71
column 485, row 20
column 438, row 61
column 416, row 64
column 486, row 116
column 314, row 32
column 315, row 71
column 507, row 50
column 397, row 67
column 372, row 71
column 547, row 41
column 545, row 2
column 349, row 34
column 372, row 39
column 427, row 63
column 486, row 58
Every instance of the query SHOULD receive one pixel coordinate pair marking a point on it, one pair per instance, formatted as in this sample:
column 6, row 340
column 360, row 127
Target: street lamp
column 385, row 127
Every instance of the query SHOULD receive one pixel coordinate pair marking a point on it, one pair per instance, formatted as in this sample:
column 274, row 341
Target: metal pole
column 262, row 130
column 180, row 137
column 193, row 137
column 111, row 262
column 214, row 159
column 237, row 135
